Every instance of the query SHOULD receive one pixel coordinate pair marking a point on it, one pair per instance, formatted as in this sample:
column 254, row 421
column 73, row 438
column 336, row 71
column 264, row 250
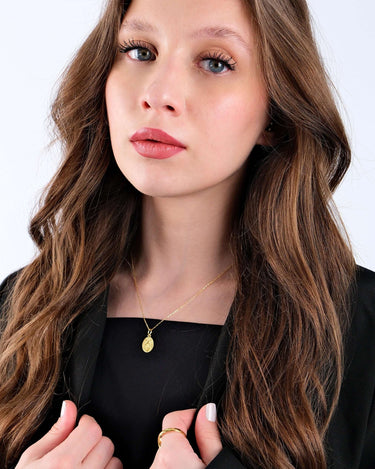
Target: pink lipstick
column 154, row 143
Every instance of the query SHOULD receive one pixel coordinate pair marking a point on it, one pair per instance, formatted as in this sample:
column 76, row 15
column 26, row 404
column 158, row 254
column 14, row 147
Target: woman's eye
column 214, row 65
column 137, row 51
column 141, row 54
column 217, row 65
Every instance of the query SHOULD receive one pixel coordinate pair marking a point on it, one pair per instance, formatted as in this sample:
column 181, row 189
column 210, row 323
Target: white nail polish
column 211, row 412
column 63, row 407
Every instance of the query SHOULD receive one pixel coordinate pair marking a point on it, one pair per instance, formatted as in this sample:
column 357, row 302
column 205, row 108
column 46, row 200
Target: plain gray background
column 38, row 38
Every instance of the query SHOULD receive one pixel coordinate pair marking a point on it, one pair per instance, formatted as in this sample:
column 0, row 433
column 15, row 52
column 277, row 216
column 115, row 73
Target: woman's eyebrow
column 135, row 24
column 141, row 25
column 221, row 32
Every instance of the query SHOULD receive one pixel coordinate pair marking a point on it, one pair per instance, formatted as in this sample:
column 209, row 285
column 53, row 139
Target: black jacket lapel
column 215, row 383
column 79, row 373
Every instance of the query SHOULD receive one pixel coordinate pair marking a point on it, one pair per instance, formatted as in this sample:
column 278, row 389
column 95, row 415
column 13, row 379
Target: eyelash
column 227, row 61
column 126, row 46
column 132, row 44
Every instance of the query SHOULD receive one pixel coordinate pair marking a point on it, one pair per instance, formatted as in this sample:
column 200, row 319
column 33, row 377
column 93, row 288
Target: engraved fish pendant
column 148, row 343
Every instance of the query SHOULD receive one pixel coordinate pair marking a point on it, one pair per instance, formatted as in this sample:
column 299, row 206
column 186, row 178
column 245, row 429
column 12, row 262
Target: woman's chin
column 159, row 188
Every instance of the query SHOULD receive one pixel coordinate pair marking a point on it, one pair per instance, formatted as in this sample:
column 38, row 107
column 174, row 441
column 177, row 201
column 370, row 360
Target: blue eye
column 137, row 51
column 141, row 54
column 217, row 63
column 215, row 66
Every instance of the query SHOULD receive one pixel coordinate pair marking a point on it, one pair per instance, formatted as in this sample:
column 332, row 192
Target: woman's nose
column 165, row 91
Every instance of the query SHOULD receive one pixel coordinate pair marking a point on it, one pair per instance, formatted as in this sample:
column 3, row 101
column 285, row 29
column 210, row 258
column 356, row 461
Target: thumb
column 58, row 433
column 207, row 433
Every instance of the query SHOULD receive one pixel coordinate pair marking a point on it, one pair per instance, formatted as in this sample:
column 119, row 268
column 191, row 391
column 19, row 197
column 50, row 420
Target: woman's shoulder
column 360, row 343
column 361, row 328
column 365, row 279
column 355, row 412
column 359, row 338
column 363, row 295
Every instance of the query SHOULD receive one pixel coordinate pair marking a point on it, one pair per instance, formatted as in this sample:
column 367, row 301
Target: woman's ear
column 266, row 138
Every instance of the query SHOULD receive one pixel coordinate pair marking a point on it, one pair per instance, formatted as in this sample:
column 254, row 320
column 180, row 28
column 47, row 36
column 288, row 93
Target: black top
column 132, row 390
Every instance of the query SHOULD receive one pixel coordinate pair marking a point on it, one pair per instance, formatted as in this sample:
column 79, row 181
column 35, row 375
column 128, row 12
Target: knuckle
column 86, row 420
column 95, row 432
column 114, row 463
column 173, row 419
column 55, row 429
column 91, row 427
column 108, row 446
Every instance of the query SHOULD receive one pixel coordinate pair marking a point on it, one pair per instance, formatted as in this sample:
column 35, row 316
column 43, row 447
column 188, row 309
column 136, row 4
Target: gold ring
column 167, row 430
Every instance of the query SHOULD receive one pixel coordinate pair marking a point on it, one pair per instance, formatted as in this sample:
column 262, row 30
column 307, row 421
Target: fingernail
column 211, row 412
column 63, row 407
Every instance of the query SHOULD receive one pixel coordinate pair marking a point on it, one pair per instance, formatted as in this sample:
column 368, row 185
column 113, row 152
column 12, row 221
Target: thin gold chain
column 201, row 290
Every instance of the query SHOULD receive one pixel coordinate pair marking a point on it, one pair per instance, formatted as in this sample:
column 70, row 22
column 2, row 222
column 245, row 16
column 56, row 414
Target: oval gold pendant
column 148, row 344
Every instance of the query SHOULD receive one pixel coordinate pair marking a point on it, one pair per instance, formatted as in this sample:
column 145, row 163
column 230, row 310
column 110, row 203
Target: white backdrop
column 38, row 38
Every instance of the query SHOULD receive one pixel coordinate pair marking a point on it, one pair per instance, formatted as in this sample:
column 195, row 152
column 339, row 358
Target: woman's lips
column 156, row 150
column 155, row 143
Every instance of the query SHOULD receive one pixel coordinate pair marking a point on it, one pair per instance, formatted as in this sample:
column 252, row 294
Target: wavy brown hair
column 294, row 267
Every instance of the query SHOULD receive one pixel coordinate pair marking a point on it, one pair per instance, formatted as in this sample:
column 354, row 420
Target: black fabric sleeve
column 350, row 439
column 368, row 451
column 226, row 460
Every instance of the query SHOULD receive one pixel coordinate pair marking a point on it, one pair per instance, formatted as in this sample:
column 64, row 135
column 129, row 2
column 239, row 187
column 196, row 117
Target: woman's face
column 188, row 68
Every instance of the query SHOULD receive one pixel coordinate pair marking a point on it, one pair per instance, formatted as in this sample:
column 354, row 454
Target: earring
column 269, row 128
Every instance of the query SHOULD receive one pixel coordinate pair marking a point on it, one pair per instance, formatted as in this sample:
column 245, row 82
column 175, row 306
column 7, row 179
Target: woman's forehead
column 192, row 18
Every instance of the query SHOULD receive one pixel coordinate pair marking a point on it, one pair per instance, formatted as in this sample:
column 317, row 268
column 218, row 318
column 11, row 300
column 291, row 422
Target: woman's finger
column 175, row 451
column 114, row 463
column 207, row 433
column 80, row 442
column 180, row 419
column 58, row 433
column 100, row 455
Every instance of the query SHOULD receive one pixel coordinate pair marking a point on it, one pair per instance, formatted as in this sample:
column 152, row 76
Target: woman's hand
column 68, row 446
column 175, row 451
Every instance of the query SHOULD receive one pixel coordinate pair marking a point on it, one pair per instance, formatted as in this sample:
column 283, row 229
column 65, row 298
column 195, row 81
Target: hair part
column 294, row 267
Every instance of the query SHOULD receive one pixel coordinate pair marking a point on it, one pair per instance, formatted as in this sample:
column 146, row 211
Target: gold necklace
column 148, row 341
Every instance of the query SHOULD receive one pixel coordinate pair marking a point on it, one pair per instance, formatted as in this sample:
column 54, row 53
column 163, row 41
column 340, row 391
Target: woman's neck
column 185, row 238
column 184, row 245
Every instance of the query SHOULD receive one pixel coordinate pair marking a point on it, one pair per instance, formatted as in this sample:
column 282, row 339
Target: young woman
column 190, row 259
